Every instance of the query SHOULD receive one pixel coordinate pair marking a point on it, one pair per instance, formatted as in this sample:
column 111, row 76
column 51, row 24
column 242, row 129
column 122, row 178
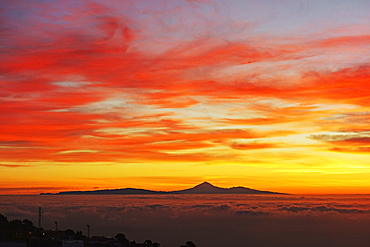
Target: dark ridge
column 203, row 188
column 126, row 191
column 207, row 188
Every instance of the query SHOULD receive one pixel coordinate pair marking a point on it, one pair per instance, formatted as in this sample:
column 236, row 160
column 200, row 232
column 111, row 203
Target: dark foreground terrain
column 23, row 233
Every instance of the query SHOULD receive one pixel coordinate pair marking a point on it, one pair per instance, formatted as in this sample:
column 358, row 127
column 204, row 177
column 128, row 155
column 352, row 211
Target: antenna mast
column 40, row 218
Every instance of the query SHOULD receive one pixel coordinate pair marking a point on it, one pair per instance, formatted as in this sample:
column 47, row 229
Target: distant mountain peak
column 205, row 183
column 203, row 188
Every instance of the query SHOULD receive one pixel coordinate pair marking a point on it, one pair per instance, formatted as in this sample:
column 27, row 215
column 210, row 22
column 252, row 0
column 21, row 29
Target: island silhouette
column 203, row 188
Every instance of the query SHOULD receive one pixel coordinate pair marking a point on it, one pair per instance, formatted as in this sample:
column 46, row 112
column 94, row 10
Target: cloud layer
column 207, row 220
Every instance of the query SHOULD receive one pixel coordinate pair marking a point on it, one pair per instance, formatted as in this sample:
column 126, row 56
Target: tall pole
column 40, row 218
column 56, row 230
column 88, row 231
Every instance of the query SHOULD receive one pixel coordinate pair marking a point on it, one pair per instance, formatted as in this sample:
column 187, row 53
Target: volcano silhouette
column 203, row 188
column 207, row 188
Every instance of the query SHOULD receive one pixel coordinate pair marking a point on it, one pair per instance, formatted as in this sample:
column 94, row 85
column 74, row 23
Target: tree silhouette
column 148, row 242
column 120, row 237
column 69, row 232
column 188, row 244
column 3, row 222
column 27, row 225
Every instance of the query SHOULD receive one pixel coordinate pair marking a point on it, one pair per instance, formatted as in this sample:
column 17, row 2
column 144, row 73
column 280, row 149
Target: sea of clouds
column 207, row 220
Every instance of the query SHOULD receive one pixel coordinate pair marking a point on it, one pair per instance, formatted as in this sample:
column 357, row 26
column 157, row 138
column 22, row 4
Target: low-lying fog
column 207, row 220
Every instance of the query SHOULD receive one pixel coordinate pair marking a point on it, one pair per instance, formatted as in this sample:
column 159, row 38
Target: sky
column 163, row 95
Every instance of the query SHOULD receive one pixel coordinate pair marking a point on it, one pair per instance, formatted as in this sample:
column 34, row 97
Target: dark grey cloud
column 156, row 206
column 223, row 207
column 325, row 209
column 294, row 209
column 251, row 213
column 355, row 137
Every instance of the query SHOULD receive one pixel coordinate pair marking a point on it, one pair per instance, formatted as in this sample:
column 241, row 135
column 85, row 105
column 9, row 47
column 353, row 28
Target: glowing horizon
column 270, row 95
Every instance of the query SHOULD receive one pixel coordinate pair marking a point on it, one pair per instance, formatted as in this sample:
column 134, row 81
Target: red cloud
column 102, row 48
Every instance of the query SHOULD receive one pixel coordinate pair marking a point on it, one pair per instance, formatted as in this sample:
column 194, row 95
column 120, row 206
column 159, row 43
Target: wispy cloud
column 13, row 166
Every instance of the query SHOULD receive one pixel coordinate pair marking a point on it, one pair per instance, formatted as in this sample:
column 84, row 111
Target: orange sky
column 271, row 95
